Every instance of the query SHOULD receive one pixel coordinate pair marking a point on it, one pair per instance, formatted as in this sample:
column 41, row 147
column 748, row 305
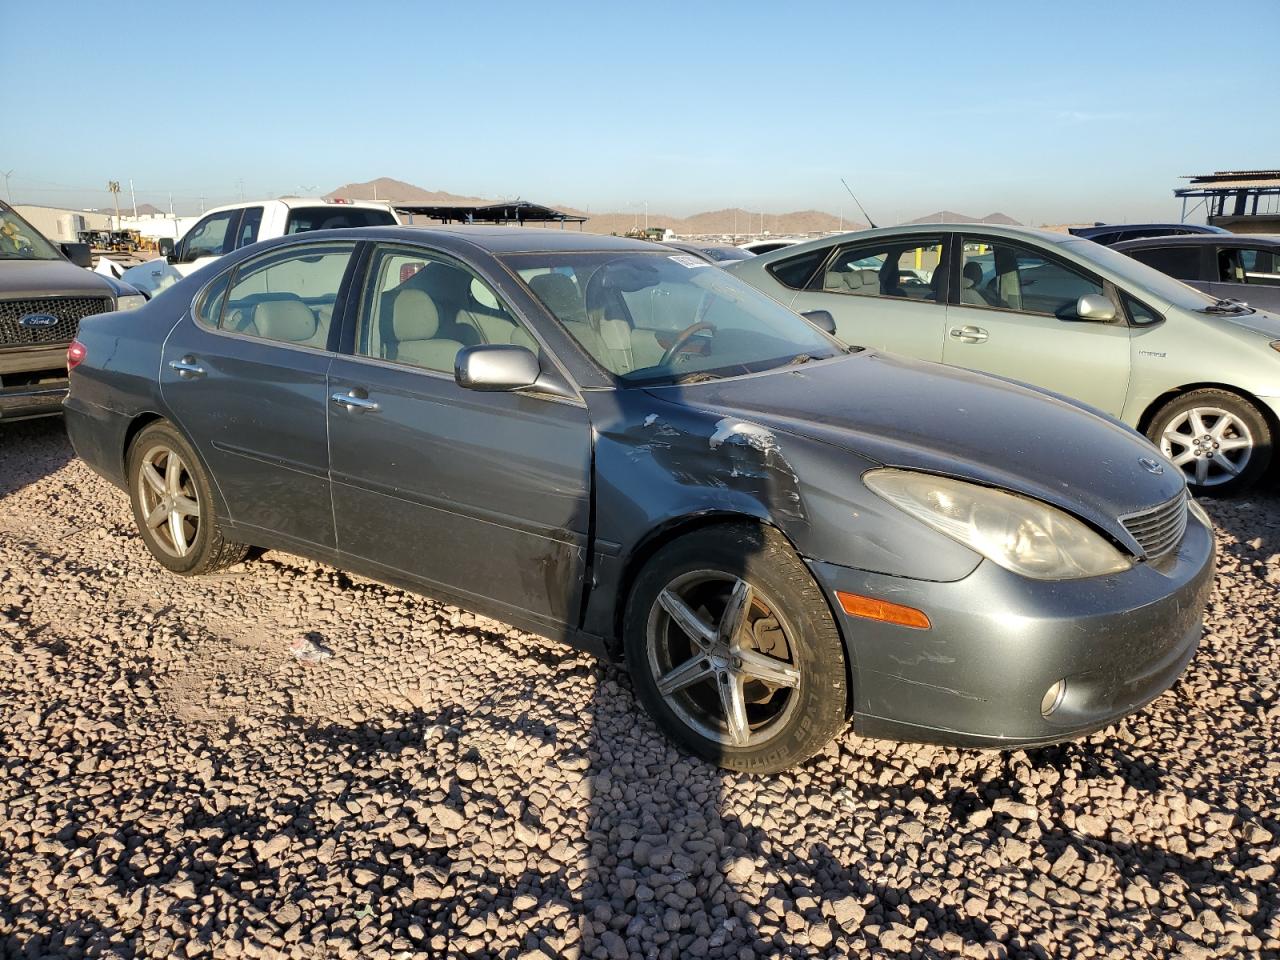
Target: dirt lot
column 176, row 783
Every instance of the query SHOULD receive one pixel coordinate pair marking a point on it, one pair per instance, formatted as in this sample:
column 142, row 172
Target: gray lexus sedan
column 605, row 443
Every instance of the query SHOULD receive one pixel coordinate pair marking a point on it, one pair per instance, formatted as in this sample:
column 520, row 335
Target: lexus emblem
column 1151, row 466
column 38, row 320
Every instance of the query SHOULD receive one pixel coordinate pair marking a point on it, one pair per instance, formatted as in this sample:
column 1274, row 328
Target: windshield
column 1142, row 277
column 20, row 241
column 651, row 318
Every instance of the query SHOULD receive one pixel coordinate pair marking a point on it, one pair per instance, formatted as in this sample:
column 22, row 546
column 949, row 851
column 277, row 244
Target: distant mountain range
column 734, row 221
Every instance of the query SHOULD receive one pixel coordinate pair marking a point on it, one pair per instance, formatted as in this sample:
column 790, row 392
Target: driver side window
column 210, row 237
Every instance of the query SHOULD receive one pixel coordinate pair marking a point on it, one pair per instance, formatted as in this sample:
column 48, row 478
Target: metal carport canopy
column 515, row 211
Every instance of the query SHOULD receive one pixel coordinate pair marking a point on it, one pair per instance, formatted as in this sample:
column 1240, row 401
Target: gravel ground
column 176, row 783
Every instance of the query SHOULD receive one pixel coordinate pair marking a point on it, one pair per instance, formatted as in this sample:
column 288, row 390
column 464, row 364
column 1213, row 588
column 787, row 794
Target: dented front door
column 481, row 495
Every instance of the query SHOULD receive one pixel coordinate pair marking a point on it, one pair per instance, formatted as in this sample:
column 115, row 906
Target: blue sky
column 1048, row 112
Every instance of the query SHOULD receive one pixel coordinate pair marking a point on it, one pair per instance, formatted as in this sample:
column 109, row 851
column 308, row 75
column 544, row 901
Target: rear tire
column 173, row 504
column 727, row 622
column 1220, row 440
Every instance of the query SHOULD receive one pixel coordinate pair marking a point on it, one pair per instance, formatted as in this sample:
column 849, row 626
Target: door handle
column 187, row 367
column 969, row 334
column 354, row 402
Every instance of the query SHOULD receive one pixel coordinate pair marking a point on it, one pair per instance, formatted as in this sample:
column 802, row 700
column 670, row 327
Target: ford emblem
column 1151, row 466
column 38, row 320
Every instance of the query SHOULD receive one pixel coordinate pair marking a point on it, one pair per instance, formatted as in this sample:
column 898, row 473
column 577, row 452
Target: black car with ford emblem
column 45, row 291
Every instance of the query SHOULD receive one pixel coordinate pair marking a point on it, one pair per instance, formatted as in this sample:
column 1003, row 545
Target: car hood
column 44, row 278
column 924, row 416
column 1260, row 322
column 152, row 276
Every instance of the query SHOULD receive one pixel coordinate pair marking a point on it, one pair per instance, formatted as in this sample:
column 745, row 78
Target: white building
column 62, row 224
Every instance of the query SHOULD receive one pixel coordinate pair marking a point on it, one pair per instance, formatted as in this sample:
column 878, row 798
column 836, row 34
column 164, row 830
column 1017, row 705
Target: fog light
column 1052, row 699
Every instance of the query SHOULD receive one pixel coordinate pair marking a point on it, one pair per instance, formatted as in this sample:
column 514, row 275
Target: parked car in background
column 45, row 291
column 604, row 441
column 717, row 253
column 1198, row 375
column 768, row 245
column 225, row 229
column 1112, row 233
column 1237, row 266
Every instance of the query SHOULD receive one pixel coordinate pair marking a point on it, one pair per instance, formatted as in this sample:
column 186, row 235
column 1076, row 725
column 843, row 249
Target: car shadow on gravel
column 31, row 450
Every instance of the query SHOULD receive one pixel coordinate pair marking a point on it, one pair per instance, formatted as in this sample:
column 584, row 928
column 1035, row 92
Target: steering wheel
column 683, row 337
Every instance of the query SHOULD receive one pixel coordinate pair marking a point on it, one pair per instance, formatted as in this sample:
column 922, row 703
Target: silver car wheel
column 1210, row 445
column 723, row 658
column 170, row 501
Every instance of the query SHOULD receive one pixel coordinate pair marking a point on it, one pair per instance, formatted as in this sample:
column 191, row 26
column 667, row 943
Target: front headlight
column 130, row 302
column 1023, row 535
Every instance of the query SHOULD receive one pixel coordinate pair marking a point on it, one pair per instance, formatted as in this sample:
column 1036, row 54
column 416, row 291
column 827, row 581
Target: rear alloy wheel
column 172, row 504
column 1220, row 441
column 733, row 649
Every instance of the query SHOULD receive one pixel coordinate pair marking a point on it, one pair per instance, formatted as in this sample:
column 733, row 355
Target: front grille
column 69, row 311
column 1159, row 530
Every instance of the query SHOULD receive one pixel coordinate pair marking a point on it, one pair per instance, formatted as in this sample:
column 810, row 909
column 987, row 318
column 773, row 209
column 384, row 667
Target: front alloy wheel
column 723, row 658
column 1211, row 445
column 1221, row 441
column 732, row 648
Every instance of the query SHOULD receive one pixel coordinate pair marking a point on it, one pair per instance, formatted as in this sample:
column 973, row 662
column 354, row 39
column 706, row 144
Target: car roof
column 1204, row 239
column 289, row 203
column 494, row 240
column 914, row 230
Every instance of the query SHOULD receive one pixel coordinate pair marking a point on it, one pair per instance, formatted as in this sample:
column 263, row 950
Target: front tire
column 173, row 504
column 733, row 650
column 1220, row 441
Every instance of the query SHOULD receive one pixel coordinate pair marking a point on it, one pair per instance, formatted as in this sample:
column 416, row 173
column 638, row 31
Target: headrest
column 414, row 316
column 972, row 273
column 288, row 320
column 558, row 292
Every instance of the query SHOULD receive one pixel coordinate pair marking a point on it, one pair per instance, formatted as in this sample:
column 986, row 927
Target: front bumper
column 999, row 641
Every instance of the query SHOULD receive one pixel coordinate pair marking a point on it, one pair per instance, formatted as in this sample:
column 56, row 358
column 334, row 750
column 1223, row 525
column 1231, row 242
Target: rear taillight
column 76, row 353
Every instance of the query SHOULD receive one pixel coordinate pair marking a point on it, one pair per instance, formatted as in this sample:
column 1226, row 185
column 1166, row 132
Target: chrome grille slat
column 69, row 311
column 1159, row 530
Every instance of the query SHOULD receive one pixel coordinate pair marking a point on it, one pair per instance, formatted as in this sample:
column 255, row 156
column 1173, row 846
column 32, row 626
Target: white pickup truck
column 224, row 229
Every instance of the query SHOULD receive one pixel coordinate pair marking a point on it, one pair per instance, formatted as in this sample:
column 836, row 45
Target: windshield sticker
column 685, row 260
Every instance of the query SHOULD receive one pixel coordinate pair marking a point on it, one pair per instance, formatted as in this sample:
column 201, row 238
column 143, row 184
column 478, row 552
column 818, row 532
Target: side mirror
column 78, row 253
column 166, row 246
column 822, row 319
column 1095, row 307
column 496, row 367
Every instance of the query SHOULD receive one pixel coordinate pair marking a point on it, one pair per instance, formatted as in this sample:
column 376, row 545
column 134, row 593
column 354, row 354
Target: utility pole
column 171, row 216
column 201, row 202
column 134, row 197
column 7, row 174
column 241, row 183
column 646, row 216
column 114, row 187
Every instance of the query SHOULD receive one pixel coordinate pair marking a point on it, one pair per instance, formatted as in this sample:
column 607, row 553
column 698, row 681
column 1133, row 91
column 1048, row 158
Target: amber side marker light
column 873, row 609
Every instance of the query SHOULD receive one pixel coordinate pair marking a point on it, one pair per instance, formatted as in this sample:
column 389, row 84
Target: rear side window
column 795, row 272
column 249, row 225
column 288, row 297
column 335, row 217
column 1180, row 262
column 210, row 308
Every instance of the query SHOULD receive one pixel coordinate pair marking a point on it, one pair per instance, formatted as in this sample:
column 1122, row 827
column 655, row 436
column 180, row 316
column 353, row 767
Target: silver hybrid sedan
column 1198, row 375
